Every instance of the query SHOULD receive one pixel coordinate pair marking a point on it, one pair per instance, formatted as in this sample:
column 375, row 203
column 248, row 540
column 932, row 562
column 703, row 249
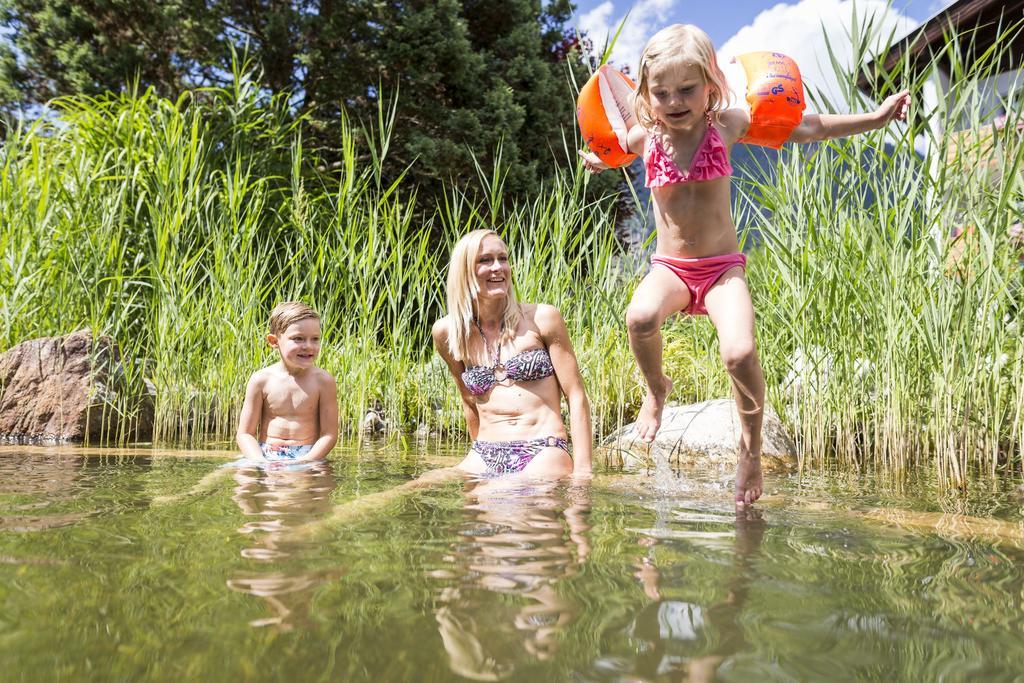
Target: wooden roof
column 977, row 23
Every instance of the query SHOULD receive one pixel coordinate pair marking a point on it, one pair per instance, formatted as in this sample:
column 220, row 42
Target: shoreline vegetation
column 174, row 227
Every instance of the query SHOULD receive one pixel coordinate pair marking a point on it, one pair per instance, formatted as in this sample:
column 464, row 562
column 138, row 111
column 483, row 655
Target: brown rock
column 70, row 389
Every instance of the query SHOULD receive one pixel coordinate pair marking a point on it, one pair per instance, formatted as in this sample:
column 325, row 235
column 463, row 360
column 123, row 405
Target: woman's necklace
column 496, row 366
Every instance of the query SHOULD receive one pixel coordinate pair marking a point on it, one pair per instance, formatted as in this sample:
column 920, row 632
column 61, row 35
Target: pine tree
column 469, row 75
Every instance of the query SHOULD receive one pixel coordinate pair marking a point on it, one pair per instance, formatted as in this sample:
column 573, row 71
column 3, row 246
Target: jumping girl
column 685, row 133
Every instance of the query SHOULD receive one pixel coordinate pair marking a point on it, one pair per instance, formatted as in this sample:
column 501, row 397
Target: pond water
column 154, row 565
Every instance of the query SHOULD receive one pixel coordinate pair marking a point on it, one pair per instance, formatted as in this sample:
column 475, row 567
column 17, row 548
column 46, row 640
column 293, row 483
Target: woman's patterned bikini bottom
column 507, row 457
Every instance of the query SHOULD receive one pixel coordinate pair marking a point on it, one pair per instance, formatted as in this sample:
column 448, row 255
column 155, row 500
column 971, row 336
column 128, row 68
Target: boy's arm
column 567, row 372
column 249, row 420
column 817, row 127
column 440, row 335
column 328, row 421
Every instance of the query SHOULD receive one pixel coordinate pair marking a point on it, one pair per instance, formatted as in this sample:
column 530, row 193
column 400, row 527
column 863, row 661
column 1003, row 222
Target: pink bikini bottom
column 699, row 274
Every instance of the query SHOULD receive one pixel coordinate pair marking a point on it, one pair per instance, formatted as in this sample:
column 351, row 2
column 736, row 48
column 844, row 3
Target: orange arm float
column 775, row 92
column 605, row 112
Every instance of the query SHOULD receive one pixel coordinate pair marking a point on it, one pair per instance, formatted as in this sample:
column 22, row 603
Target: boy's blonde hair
column 686, row 43
column 462, row 294
column 288, row 313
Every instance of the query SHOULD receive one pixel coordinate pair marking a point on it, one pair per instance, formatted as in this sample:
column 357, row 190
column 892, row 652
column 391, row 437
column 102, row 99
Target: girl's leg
column 658, row 296
column 731, row 311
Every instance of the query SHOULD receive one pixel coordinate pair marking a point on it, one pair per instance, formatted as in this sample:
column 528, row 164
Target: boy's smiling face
column 299, row 344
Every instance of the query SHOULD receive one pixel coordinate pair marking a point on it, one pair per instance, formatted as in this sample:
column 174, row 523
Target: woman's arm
column 817, row 127
column 567, row 371
column 247, row 436
column 440, row 335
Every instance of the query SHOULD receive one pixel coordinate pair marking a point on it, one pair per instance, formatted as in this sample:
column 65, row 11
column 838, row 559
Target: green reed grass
column 907, row 359
column 174, row 226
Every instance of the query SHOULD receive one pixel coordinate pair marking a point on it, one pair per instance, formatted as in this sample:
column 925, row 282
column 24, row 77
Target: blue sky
column 806, row 30
column 721, row 24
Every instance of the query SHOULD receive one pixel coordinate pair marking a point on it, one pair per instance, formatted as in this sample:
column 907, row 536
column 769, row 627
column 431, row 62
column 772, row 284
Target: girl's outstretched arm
column 635, row 138
column 817, row 127
column 373, row 504
column 208, row 483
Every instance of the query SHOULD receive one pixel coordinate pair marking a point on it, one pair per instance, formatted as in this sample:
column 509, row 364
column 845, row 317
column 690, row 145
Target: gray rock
column 71, row 389
column 701, row 433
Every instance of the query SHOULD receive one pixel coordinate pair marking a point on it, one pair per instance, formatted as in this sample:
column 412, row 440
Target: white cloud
column 646, row 18
column 595, row 22
column 799, row 30
column 939, row 5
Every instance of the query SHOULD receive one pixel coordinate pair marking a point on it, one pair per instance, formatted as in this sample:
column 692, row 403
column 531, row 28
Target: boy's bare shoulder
column 324, row 378
column 262, row 376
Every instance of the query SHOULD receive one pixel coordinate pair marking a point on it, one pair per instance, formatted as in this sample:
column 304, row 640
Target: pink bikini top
column 709, row 162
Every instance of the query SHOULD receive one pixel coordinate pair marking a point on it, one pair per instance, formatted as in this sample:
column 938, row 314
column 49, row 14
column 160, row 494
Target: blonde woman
column 512, row 363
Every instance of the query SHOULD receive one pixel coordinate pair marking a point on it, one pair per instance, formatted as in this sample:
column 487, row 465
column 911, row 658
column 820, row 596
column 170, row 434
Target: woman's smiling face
column 493, row 272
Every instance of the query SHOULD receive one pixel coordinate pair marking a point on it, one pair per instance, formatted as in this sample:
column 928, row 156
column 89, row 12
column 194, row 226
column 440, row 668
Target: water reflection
column 680, row 634
column 447, row 579
column 54, row 475
column 277, row 502
column 501, row 606
column 37, row 489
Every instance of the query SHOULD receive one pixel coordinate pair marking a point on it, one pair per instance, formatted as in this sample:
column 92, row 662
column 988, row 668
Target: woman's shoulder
column 543, row 315
column 439, row 330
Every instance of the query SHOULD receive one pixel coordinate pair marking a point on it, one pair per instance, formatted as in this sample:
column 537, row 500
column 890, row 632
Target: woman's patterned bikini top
column 527, row 366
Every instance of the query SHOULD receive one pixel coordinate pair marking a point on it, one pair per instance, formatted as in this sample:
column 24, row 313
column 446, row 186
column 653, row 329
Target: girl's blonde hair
column 463, row 289
column 686, row 43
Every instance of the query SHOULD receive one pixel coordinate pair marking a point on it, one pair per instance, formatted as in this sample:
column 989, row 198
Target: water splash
column 668, row 480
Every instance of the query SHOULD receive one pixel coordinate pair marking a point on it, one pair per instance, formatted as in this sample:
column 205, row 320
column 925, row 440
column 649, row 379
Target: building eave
column 981, row 19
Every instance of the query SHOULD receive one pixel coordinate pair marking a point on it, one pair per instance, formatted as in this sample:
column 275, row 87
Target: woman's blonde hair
column 463, row 290
column 686, row 43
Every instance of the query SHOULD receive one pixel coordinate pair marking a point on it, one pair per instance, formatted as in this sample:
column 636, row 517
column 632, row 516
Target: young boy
column 290, row 412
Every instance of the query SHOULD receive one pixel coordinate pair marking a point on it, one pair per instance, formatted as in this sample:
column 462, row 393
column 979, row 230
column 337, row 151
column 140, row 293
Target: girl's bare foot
column 749, row 483
column 649, row 420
